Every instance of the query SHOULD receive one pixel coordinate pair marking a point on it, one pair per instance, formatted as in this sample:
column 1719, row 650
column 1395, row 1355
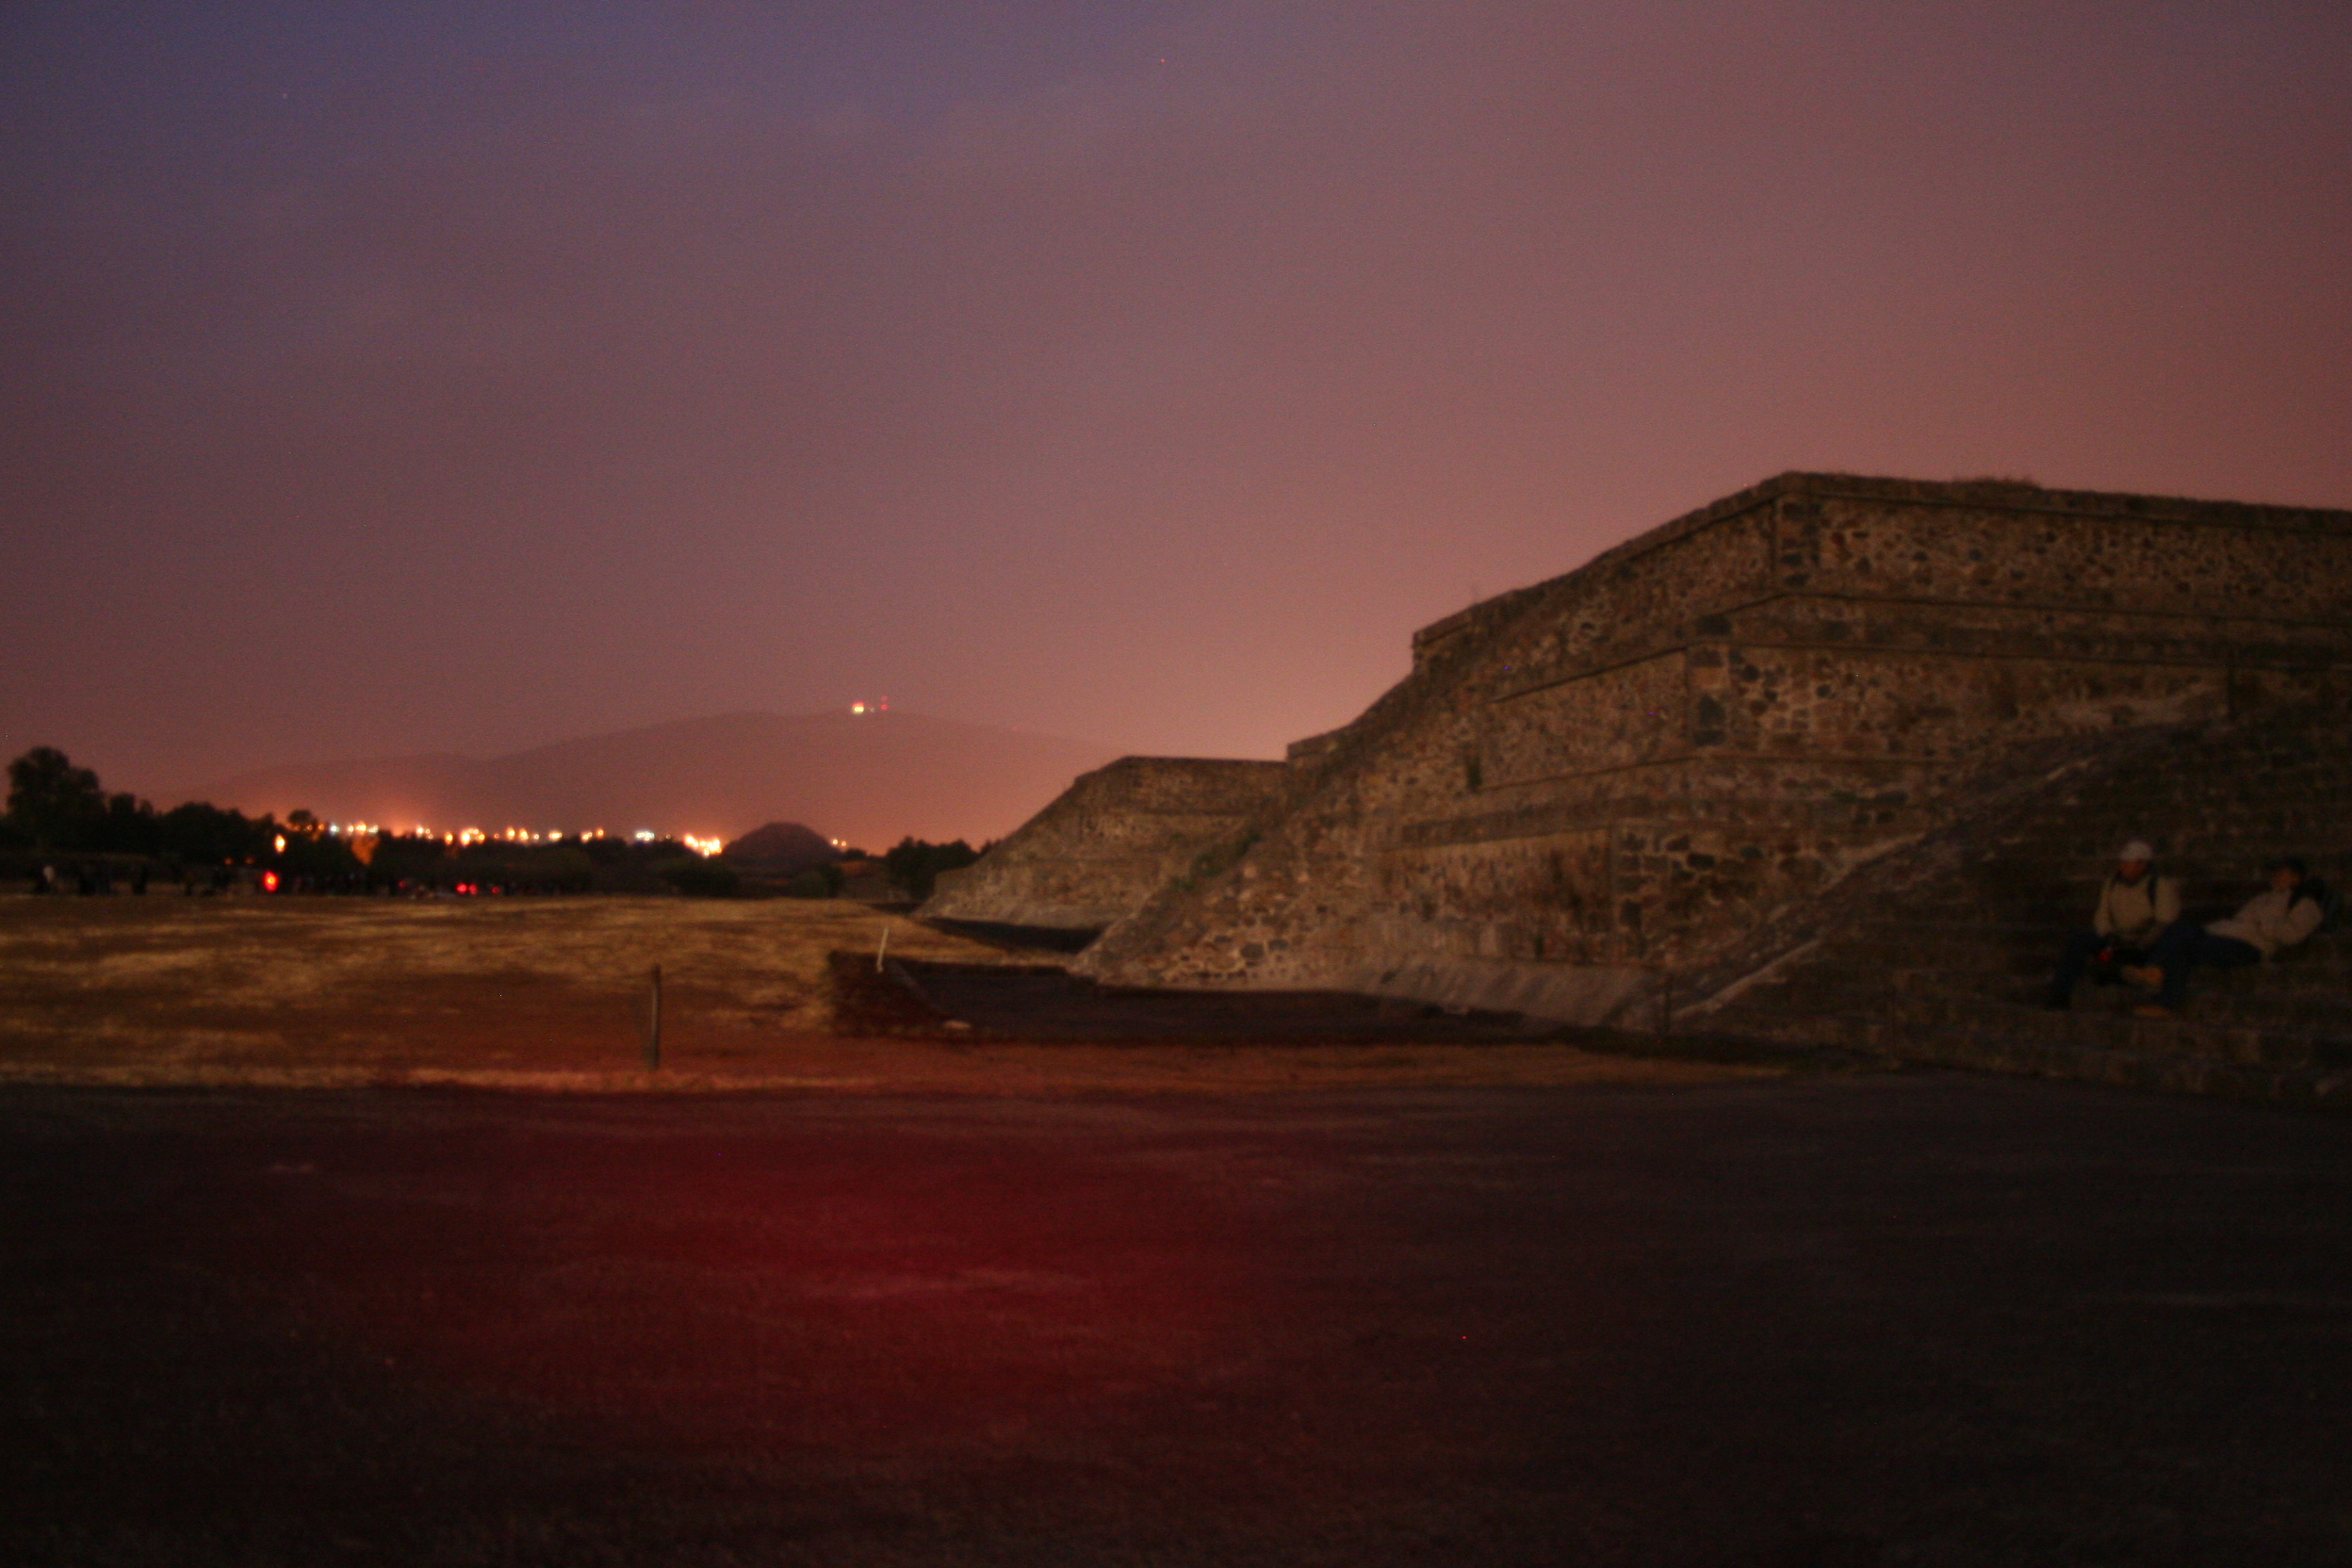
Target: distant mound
column 871, row 779
column 781, row 849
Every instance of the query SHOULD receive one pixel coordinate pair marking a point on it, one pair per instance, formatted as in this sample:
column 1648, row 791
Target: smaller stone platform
column 1107, row 843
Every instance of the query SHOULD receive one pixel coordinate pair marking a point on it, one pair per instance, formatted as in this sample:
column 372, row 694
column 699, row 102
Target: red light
column 269, row 881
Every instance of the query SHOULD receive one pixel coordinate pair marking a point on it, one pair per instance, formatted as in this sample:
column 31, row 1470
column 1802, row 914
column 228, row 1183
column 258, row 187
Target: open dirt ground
column 550, row 993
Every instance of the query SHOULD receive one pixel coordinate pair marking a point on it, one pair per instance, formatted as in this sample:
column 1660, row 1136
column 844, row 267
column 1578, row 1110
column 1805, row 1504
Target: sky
column 404, row 378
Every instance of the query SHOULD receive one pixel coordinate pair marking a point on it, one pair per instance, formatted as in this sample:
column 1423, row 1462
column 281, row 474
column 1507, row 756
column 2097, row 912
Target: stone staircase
column 1941, row 952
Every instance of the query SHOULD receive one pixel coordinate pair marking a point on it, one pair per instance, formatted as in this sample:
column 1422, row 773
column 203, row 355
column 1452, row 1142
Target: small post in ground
column 883, row 950
column 653, row 1023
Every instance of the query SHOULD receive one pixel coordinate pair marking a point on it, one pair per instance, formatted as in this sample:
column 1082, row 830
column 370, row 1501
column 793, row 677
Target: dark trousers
column 2082, row 955
column 2186, row 944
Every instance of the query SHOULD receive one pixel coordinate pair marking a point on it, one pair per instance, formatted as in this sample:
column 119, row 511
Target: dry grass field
column 549, row 994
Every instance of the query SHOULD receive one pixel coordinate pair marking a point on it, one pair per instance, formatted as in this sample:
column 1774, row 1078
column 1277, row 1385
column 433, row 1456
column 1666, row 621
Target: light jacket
column 2271, row 920
column 2134, row 911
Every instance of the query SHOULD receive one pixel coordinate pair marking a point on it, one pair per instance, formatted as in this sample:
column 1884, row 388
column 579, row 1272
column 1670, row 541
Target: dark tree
column 320, row 858
column 208, row 835
column 58, row 804
column 816, row 882
column 914, row 865
column 129, row 827
column 697, row 877
column 410, row 857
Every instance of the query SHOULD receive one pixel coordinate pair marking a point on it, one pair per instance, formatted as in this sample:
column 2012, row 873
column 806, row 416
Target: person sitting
column 2269, row 923
column 2134, row 907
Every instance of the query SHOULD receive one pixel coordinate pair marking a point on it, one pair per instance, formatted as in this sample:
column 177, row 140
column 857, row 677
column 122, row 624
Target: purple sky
column 422, row 377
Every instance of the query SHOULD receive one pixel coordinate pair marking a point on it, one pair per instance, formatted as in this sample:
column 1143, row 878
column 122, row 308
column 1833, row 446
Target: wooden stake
column 653, row 1023
column 884, row 950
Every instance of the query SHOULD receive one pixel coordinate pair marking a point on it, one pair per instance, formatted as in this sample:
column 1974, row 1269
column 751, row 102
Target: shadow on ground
column 1041, row 1002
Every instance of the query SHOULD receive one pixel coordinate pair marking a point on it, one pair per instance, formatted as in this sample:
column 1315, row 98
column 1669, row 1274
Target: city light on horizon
column 466, row 837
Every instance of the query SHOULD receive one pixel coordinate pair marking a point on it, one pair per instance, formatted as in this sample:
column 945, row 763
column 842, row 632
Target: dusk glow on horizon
column 441, row 379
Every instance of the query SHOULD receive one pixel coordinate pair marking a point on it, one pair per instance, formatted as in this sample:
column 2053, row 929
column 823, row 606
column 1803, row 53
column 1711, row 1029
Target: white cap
column 2136, row 849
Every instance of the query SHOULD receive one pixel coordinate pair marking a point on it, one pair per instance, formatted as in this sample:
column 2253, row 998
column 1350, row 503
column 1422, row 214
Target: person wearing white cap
column 2135, row 907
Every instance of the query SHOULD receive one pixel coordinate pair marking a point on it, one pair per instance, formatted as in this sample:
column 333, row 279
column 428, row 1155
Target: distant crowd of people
column 2138, row 937
column 87, row 878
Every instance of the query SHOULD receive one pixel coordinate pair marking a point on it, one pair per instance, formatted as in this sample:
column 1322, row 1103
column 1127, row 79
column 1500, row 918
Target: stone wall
column 1943, row 951
column 1615, row 774
column 1105, row 843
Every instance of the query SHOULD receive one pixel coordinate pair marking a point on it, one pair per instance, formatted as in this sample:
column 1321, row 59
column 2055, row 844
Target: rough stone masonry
column 1587, row 784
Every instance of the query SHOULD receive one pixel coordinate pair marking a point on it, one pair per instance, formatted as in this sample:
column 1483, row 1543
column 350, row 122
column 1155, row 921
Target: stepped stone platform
column 1105, row 845
column 1602, row 799
column 1941, row 952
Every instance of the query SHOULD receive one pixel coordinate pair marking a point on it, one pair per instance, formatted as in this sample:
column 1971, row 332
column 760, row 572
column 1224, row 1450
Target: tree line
column 58, row 808
column 54, row 806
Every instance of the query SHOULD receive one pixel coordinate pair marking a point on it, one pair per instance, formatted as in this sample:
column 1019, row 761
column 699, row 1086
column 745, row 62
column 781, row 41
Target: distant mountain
column 870, row 779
